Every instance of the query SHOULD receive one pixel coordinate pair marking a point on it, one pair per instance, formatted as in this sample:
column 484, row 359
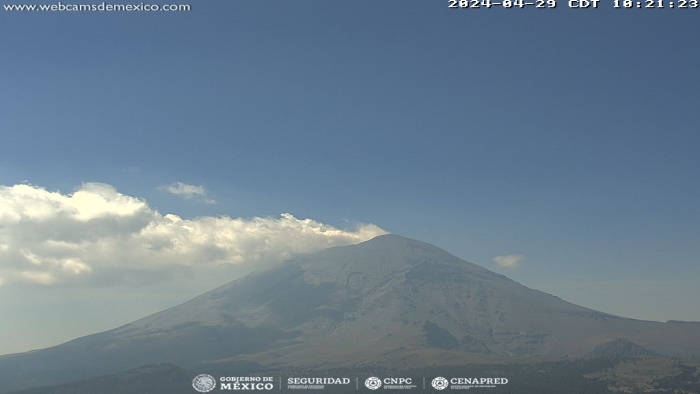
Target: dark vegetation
column 570, row 377
column 688, row 381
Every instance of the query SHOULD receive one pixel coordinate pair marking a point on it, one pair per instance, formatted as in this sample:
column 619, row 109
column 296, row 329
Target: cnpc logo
column 374, row 383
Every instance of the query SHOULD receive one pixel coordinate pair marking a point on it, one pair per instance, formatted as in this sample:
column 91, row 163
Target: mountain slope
column 387, row 300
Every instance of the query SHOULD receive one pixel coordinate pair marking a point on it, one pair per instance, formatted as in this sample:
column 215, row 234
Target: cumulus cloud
column 97, row 235
column 188, row 191
column 509, row 261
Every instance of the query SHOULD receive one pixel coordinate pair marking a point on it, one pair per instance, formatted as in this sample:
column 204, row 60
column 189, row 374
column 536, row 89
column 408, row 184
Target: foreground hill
column 390, row 300
column 157, row 378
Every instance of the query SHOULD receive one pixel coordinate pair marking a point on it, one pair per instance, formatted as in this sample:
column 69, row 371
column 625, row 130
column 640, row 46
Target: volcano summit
column 387, row 301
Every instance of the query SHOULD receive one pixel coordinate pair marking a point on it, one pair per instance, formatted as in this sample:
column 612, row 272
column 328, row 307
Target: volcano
column 387, row 301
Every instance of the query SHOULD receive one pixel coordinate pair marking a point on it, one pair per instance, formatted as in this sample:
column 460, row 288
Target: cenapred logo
column 204, row 383
column 440, row 383
column 373, row 383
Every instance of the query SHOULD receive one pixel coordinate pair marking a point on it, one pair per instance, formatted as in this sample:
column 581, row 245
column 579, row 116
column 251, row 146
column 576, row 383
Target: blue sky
column 569, row 137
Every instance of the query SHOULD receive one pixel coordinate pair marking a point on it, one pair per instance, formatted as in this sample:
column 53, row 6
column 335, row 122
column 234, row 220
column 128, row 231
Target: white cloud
column 510, row 261
column 188, row 191
column 97, row 235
